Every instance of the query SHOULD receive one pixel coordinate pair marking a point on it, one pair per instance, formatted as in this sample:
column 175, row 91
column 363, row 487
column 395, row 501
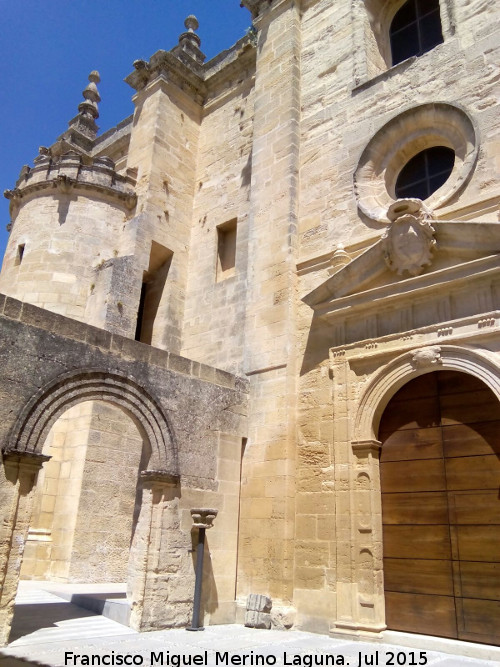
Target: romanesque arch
column 48, row 404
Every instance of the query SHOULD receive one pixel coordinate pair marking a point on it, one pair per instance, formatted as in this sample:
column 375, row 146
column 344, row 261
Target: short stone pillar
column 150, row 578
column 202, row 519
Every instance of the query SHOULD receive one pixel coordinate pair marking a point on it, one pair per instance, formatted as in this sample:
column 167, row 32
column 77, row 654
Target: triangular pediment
column 461, row 249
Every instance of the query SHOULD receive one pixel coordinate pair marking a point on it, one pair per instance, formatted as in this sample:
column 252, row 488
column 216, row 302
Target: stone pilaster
column 163, row 148
column 21, row 471
column 360, row 591
column 266, row 553
column 159, row 573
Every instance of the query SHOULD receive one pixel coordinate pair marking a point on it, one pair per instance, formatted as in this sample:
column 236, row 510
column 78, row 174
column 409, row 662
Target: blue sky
column 48, row 48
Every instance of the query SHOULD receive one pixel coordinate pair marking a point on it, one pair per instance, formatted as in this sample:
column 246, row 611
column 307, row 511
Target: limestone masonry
column 272, row 293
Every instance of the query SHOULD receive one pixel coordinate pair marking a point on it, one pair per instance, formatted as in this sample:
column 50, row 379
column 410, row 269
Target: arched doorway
column 440, row 480
column 87, row 497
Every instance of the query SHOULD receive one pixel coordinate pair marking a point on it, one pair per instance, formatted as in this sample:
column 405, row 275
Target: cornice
column 197, row 80
column 65, row 184
column 67, row 174
column 260, row 7
column 164, row 64
column 369, row 300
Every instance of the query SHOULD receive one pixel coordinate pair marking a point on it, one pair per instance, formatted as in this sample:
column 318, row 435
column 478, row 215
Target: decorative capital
column 362, row 448
column 409, row 242
column 426, row 357
column 31, row 461
column 203, row 517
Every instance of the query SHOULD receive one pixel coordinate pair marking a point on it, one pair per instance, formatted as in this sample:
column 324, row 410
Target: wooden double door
column 440, row 478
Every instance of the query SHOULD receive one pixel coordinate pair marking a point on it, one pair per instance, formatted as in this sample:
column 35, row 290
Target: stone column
column 160, row 579
column 21, row 472
column 203, row 519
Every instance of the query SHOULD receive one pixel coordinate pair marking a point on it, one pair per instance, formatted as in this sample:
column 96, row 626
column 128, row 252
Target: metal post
column 200, row 550
column 202, row 519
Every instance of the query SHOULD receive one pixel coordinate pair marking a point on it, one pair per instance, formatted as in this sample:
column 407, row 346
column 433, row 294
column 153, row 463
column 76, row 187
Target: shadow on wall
column 319, row 342
column 63, row 207
column 246, row 172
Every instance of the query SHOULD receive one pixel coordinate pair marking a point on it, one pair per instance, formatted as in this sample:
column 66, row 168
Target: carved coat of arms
column 409, row 241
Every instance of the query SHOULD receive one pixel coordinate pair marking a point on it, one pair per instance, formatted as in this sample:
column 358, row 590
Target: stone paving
column 64, row 631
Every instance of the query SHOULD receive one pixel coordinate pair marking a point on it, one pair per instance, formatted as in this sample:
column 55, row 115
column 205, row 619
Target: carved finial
column 83, row 128
column 203, row 517
column 191, row 23
column 92, row 97
column 189, row 42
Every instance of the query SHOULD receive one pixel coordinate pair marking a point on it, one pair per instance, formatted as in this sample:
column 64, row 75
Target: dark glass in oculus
column 425, row 173
column 415, row 29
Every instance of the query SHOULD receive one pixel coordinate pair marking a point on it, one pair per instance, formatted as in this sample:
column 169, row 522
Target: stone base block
column 258, row 619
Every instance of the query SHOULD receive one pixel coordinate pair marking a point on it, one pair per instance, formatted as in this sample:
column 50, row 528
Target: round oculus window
column 425, row 173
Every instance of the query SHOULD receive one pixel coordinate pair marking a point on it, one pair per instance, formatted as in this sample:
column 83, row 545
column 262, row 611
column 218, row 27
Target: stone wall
column 214, row 323
column 204, row 423
column 342, row 111
column 64, row 252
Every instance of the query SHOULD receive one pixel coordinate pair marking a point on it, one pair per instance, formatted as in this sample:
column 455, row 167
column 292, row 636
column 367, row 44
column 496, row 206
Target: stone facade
column 246, row 218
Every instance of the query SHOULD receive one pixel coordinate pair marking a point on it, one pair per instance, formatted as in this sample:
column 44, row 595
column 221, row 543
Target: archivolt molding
column 386, row 382
column 409, row 133
column 51, row 401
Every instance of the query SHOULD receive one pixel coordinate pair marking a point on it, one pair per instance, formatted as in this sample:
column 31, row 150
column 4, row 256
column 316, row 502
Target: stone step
column 114, row 606
column 108, row 600
column 48, row 612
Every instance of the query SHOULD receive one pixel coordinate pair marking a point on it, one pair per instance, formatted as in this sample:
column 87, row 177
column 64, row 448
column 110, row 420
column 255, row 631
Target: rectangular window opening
column 152, row 290
column 20, row 253
column 226, row 250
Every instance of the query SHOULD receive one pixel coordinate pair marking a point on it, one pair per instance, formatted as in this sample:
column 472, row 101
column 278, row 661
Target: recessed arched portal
column 87, row 497
column 114, row 397
column 440, row 482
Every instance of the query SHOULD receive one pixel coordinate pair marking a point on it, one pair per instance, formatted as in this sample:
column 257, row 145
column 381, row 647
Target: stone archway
column 38, row 416
column 386, row 382
column 87, row 497
column 23, row 457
